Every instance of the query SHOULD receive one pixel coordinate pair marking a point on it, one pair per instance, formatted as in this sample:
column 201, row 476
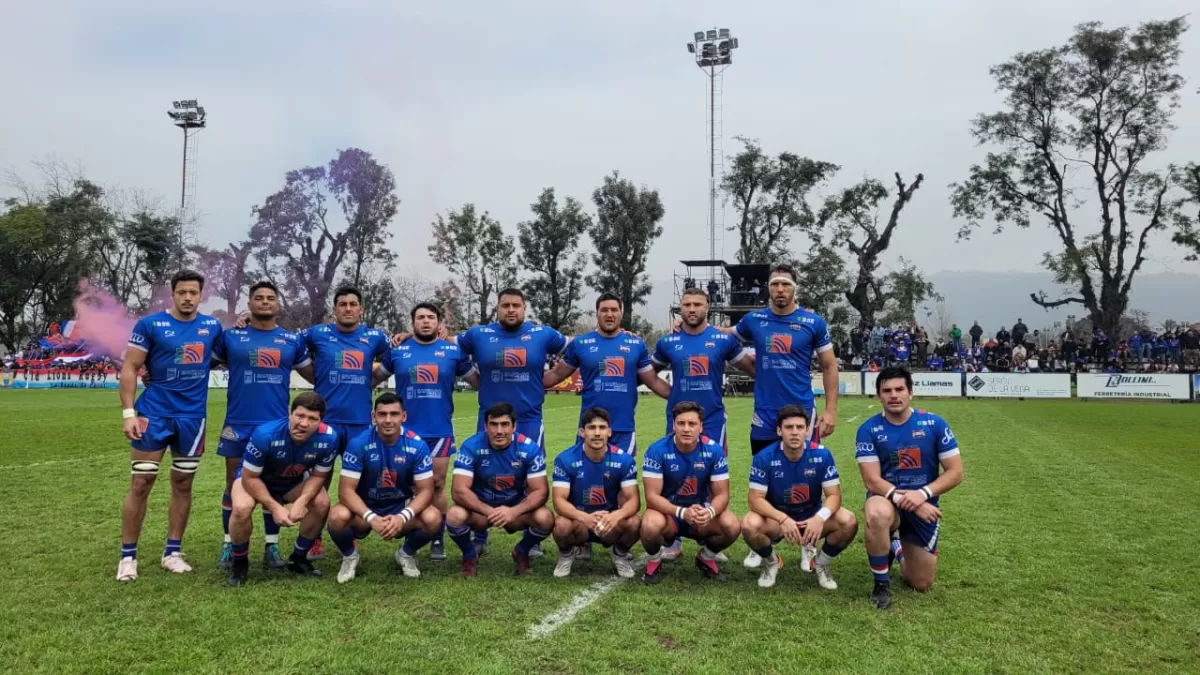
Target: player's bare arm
column 874, row 482
column 815, row 526
column 561, row 371
column 133, row 361
column 654, row 497
column 460, row 490
column 254, row 486
column 564, row 507
column 655, row 383
column 422, row 495
column 306, row 371
column 745, row 364
column 348, row 497
column 379, row 375
column 472, row 379
column 537, row 490
column 309, row 489
column 760, row 505
column 829, row 378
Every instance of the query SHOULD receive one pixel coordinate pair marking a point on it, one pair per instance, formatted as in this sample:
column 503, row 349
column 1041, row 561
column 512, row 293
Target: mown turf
column 1069, row 548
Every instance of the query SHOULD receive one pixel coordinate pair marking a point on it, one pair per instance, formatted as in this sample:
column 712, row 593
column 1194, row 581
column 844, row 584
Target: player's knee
column 320, row 503
column 653, row 524
column 456, row 516
column 339, row 517
column 752, row 524
column 564, row 528
column 731, row 527
column 431, row 520
column 879, row 515
column 543, row 518
column 141, row 484
column 920, row 582
column 630, row 525
column 847, row 522
column 184, row 468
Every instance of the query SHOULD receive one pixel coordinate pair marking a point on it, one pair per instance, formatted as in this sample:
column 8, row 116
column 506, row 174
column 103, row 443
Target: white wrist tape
column 128, row 413
column 928, row 493
column 407, row 514
column 895, row 498
column 369, row 515
column 679, row 512
column 824, row 513
column 712, row 513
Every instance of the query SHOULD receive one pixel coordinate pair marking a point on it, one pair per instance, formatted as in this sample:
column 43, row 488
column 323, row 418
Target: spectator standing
column 1190, row 344
column 1019, row 331
column 956, row 337
column 976, row 333
column 921, row 343
column 1174, row 347
column 1004, row 338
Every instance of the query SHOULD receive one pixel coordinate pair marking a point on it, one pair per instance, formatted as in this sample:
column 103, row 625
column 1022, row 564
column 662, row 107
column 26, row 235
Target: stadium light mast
column 191, row 117
column 713, row 51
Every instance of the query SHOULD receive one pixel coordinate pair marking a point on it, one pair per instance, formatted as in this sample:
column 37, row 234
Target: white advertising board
column 1134, row 385
column 1019, row 385
column 924, row 384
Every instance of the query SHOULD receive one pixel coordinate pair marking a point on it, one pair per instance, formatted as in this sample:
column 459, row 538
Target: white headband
column 782, row 279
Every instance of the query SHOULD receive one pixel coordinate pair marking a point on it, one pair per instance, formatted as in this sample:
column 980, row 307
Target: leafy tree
column 1188, row 228
column 133, row 256
column 475, row 249
column 626, row 225
column 823, row 285
column 1082, row 120
column 771, row 197
column 852, row 217
column 21, row 229
column 226, row 272
column 547, row 244
column 906, row 290
column 295, row 237
column 449, row 297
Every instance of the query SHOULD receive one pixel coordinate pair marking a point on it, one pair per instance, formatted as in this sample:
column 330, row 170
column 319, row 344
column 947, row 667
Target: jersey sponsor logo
column 526, row 338
column 810, row 472
column 265, row 358
column 831, row 472
column 781, row 343
column 292, row 471
column 425, row 374
column 504, row 482
column 190, row 353
column 798, row 494
column 909, row 458
column 387, row 478
column 596, row 496
column 614, row 366
column 350, row 359
column 756, row 472
column 511, row 358
column 947, row 436
column 918, row 433
column 697, row 366
column 625, row 348
column 864, row 447
column 689, row 487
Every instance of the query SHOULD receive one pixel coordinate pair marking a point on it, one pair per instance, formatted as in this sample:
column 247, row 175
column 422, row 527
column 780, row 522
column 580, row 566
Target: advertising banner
column 1019, row 385
column 12, row 380
column 849, row 383
column 924, row 384
column 1160, row 386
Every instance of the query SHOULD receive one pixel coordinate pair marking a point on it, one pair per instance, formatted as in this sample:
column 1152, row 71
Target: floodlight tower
column 189, row 116
column 713, row 50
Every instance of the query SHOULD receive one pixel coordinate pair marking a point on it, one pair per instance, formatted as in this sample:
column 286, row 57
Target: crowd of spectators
column 44, row 358
column 1017, row 349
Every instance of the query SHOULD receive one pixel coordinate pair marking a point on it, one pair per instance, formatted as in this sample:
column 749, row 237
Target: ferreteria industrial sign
column 1129, row 385
column 1019, row 385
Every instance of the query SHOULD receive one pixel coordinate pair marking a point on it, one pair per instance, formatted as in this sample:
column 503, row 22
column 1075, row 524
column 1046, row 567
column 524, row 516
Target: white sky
column 491, row 102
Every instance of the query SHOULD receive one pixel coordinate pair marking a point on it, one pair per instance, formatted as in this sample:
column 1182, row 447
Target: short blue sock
column 270, row 527
column 441, row 533
column 879, row 567
column 897, row 550
column 303, row 543
column 226, row 512
column 241, row 550
column 832, row 550
column 481, row 537
column 129, row 550
column 765, row 552
column 344, row 540
column 533, row 536
column 461, row 536
column 415, row 541
column 173, row 546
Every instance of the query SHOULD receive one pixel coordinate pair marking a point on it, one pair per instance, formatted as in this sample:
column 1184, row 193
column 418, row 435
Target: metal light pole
column 189, row 116
column 713, row 51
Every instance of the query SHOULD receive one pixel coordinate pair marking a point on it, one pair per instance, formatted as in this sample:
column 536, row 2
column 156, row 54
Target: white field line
column 586, row 598
column 51, row 462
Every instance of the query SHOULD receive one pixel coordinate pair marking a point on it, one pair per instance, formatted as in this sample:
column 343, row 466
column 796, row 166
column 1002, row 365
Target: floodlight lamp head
column 711, row 35
column 691, row 48
column 698, row 35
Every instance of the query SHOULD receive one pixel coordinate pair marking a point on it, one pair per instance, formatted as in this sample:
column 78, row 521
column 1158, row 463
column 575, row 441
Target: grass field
column 1070, row 547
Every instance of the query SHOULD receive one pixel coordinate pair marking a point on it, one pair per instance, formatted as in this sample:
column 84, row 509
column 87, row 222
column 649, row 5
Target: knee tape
column 143, row 467
column 185, row 464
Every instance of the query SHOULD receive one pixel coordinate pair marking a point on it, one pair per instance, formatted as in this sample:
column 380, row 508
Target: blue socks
column 879, row 567
column 461, row 536
column 344, row 540
column 270, row 527
column 414, row 541
column 241, row 550
column 533, row 536
column 129, row 550
column 173, row 546
column 303, row 543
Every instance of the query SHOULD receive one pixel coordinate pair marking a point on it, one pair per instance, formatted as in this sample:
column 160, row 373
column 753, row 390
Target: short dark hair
column 609, row 295
column 792, row 410
column 892, row 373
column 388, row 398
column 511, row 290
column 309, row 400
column 687, row 407
column 186, row 275
column 346, row 290
column 500, row 410
column 437, row 311
column 694, row 291
column 783, row 268
column 592, row 414
column 259, row 285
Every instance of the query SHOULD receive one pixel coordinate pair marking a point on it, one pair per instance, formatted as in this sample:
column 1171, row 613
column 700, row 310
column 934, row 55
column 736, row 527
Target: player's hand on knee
column 791, row 531
column 928, row 512
column 811, row 530
column 501, row 516
column 607, row 524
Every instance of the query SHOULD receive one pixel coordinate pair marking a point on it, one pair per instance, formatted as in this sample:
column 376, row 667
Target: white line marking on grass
column 79, row 460
column 853, row 419
column 586, row 598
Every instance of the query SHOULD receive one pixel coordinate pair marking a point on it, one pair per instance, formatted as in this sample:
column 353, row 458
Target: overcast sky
column 490, row 102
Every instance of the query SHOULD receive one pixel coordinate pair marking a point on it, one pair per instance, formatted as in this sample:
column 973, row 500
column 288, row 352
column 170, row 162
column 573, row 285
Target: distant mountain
column 999, row 298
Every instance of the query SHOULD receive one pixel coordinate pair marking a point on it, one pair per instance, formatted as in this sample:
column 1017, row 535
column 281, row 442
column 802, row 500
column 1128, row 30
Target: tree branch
column 1040, row 300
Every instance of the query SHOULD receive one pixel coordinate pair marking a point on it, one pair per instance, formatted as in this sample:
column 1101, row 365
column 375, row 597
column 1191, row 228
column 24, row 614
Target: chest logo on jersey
column 689, row 487
column 293, row 471
column 614, row 366
column 505, row 482
column 387, row 478
column 399, row 459
column 918, row 433
column 781, row 343
column 350, row 359
column 190, row 353
column 625, row 348
column 511, row 358
column 425, row 374
column 202, row 331
column 697, row 366
column 908, row 458
column 798, row 494
column 265, row 358
column 596, row 496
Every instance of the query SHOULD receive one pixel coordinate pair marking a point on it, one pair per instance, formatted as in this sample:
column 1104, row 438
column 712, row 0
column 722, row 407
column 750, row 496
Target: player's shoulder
column 708, row 446
column 325, row 431
column 569, row 455
column 873, row 424
column 922, row 417
column 207, row 321
column 524, row 443
column 711, row 333
column 660, row 446
column 822, row 453
column 412, row 437
column 445, row 346
column 273, row 428
column 474, row 442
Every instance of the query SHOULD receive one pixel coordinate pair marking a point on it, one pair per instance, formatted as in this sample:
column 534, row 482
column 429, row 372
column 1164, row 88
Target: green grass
column 1070, row 547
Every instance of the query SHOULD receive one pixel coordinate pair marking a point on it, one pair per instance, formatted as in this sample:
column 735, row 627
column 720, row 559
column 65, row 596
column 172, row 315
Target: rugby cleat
column 317, row 551
column 300, row 565
column 437, row 550
column 709, row 568
column 565, row 560
column 349, row 569
column 881, row 595
column 770, row 570
column 226, row 559
column 470, row 567
column 407, row 563
column 524, row 564
column 239, row 569
column 807, row 554
column 127, row 569
column 753, row 560
column 176, row 564
column 825, row 579
column 623, row 565
column 653, row 573
column 672, row 552
column 584, row 552
column 272, row 559
column 721, row 557
column 481, row 548
column 536, row 551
